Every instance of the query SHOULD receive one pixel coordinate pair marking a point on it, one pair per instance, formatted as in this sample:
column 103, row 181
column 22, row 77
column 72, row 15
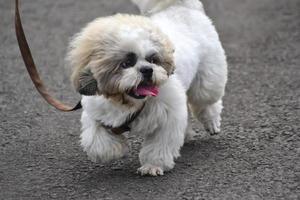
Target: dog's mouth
column 143, row 90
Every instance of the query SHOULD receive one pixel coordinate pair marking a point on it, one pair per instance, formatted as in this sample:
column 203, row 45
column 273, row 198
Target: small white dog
column 143, row 73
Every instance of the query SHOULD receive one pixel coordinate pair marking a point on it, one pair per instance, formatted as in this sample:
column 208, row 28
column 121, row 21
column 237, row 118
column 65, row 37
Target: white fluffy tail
column 153, row 6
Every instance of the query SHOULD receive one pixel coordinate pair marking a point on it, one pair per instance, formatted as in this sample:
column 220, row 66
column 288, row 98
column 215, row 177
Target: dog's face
column 122, row 57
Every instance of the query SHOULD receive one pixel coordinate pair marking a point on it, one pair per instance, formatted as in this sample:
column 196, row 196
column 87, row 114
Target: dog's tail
column 153, row 6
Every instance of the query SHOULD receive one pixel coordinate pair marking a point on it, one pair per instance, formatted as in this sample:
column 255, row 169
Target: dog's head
column 122, row 57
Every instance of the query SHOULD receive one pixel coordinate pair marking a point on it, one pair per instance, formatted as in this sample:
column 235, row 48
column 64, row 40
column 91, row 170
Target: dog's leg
column 98, row 143
column 207, row 90
column 207, row 111
column 162, row 145
column 209, row 114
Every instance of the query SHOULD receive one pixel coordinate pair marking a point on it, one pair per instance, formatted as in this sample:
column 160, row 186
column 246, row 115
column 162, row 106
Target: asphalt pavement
column 257, row 155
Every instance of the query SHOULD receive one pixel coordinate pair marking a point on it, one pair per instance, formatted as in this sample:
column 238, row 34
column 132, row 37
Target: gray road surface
column 256, row 156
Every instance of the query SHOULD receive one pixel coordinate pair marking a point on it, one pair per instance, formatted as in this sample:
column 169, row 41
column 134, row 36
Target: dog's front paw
column 102, row 146
column 113, row 152
column 150, row 170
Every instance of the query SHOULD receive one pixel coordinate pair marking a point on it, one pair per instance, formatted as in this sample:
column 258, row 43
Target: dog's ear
column 87, row 84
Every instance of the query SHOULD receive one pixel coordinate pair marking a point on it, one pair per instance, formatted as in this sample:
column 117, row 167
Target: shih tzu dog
column 142, row 73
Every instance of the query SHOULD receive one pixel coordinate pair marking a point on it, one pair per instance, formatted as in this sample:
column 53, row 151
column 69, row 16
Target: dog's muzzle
column 146, row 87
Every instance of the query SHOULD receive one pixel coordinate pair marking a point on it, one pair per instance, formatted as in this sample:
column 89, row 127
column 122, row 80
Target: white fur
column 163, row 123
column 201, row 73
column 199, row 56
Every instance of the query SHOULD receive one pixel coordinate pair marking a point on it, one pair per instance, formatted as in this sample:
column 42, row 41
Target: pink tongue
column 147, row 91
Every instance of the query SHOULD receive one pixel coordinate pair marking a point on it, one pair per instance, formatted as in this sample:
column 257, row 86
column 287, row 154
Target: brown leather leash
column 32, row 70
column 38, row 83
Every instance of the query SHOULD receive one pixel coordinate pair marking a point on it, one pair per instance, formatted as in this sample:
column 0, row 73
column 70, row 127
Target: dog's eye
column 154, row 59
column 129, row 61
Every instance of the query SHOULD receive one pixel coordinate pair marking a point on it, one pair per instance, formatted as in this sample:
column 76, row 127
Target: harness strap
column 126, row 126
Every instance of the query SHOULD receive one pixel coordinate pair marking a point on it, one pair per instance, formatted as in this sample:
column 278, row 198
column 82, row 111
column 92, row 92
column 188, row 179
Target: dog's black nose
column 147, row 72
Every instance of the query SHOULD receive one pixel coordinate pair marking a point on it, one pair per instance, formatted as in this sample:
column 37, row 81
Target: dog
column 146, row 71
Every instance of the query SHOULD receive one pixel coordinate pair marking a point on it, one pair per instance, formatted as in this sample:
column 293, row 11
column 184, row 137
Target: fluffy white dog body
column 132, row 60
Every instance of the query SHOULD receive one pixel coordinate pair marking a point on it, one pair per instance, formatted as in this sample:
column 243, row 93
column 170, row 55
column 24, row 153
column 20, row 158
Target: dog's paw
column 213, row 126
column 150, row 170
column 108, row 152
column 114, row 153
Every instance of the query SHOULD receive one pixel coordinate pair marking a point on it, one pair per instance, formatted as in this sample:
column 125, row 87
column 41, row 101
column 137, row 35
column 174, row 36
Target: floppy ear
column 87, row 84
